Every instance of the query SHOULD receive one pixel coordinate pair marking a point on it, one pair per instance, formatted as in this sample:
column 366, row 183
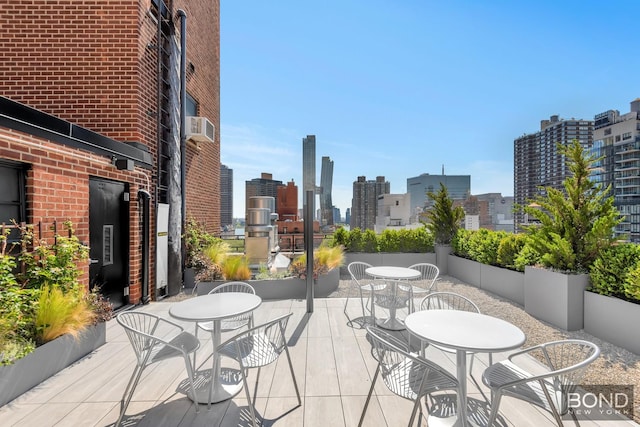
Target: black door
column 109, row 239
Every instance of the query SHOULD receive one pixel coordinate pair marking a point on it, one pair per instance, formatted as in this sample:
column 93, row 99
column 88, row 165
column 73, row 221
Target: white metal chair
column 564, row 364
column 232, row 323
column 362, row 283
column 154, row 339
column 426, row 283
column 257, row 347
column 450, row 301
column 404, row 373
column 391, row 297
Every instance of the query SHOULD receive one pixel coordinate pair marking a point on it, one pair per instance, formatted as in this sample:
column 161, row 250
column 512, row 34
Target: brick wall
column 57, row 189
column 93, row 63
column 203, row 83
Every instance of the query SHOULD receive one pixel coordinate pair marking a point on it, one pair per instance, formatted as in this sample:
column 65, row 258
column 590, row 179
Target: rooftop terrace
column 332, row 360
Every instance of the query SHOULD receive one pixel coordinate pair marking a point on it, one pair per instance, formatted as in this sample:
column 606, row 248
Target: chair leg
column 495, row 402
column 366, row 403
column 293, row 375
column 128, row 392
column 187, row 363
column 249, row 402
column 413, row 412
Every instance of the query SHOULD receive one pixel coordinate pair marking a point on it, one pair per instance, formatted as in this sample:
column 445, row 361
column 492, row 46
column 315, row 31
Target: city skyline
column 398, row 90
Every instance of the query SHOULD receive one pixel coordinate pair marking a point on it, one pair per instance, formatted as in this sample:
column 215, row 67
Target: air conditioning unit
column 200, row 129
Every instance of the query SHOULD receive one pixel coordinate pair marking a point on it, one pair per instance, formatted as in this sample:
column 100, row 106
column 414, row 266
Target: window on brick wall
column 12, row 194
column 191, row 106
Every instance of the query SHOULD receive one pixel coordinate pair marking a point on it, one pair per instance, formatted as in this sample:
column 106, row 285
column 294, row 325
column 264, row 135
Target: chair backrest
column 448, row 301
column 357, row 271
column 140, row 328
column 261, row 344
column 567, row 360
column 428, row 273
column 233, row 287
column 393, row 354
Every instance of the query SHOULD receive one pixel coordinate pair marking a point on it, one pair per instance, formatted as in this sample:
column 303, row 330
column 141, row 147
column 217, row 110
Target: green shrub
column 483, row 245
column 527, row 256
column 632, row 285
column 460, row 243
column 610, row 271
column 444, row 219
column 509, row 248
column 575, row 224
column 417, row 240
column 369, row 241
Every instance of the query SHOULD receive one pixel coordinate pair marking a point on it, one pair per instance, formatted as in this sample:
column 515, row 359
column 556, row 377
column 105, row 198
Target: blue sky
column 400, row 88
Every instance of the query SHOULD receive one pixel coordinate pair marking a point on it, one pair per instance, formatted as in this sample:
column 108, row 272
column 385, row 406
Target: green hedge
column 498, row 248
column 616, row 272
column 417, row 240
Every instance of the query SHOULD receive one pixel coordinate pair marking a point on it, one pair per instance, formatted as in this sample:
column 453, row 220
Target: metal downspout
column 144, row 199
column 183, row 135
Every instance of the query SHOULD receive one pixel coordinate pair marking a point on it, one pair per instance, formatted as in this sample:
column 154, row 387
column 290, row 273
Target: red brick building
column 90, row 130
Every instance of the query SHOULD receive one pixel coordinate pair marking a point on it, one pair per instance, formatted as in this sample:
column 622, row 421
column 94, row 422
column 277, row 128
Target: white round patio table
column 464, row 331
column 393, row 274
column 214, row 308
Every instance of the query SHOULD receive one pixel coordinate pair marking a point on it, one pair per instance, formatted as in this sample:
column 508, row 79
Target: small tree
column 575, row 225
column 444, row 218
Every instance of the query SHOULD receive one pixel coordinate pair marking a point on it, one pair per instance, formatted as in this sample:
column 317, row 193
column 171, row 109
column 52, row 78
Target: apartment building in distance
column 537, row 162
column 91, row 131
column 364, row 204
column 263, row 186
column 617, row 140
column 458, row 187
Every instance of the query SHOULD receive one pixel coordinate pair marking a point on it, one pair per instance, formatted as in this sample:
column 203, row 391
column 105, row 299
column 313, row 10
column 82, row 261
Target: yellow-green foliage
column 325, row 259
column 217, row 252
column 236, row 268
column 60, row 313
column 330, row 258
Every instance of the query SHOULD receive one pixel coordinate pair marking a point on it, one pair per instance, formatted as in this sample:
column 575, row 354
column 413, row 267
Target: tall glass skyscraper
column 326, row 182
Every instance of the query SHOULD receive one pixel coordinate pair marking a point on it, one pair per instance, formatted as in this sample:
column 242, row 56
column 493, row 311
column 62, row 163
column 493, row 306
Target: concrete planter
column 442, row 258
column 465, row 270
column 47, row 360
column 506, row 283
column 289, row 288
column 189, row 278
column 395, row 259
column 612, row 320
column 555, row 298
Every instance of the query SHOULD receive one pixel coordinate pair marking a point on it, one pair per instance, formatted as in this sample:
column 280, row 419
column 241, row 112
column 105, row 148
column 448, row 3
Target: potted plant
column 48, row 319
column 612, row 302
column 444, row 222
column 196, row 240
column 574, row 226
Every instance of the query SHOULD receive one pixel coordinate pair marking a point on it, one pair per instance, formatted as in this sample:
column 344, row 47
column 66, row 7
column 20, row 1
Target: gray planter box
column 506, row 283
column 47, row 360
column 612, row 320
column 555, row 298
column 442, row 258
column 289, row 288
column 465, row 270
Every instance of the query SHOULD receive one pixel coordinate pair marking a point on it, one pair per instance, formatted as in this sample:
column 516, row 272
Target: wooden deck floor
column 331, row 358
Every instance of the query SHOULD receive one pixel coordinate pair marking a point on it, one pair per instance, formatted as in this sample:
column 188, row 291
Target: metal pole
column 308, row 244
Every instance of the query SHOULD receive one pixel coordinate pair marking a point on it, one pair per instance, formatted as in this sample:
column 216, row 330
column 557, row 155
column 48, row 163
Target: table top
column 214, row 306
column 390, row 272
column 463, row 330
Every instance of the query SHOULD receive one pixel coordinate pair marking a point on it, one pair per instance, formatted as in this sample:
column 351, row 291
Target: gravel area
column 614, row 366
